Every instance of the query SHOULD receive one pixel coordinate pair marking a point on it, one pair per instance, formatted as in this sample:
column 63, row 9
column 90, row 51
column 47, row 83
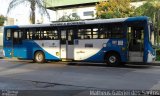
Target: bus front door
column 67, row 47
column 8, row 43
column 19, row 51
column 136, row 45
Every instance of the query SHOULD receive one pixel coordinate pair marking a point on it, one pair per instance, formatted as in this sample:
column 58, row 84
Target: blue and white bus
column 103, row 40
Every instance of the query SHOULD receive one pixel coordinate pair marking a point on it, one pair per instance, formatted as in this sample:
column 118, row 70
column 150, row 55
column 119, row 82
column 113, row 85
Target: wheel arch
column 111, row 51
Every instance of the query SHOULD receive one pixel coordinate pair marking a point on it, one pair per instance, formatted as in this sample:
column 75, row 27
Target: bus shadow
column 23, row 61
column 131, row 66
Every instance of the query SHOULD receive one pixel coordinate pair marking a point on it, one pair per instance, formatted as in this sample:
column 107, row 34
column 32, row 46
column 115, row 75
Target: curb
column 156, row 63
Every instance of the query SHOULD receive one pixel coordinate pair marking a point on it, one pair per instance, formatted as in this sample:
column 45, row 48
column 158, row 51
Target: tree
column 66, row 18
column 2, row 19
column 151, row 9
column 33, row 5
column 114, row 9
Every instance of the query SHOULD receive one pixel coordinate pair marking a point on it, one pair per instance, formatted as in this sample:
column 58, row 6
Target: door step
column 64, row 59
column 135, row 54
column 135, row 59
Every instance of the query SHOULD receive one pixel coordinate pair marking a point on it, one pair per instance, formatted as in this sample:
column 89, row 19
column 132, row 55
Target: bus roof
column 84, row 22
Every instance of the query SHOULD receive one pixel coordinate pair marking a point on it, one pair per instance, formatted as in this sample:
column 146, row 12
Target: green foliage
column 151, row 9
column 2, row 19
column 67, row 18
column 33, row 5
column 158, row 55
column 114, row 9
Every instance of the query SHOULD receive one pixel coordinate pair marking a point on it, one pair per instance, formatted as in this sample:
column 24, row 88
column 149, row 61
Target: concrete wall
column 1, row 41
column 58, row 3
column 1, row 36
column 79, row 11
column 10, row 21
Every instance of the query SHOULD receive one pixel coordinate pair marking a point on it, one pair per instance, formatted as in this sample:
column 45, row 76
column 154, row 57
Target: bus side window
column 24, row 34
column 117, row 31
column 15, row 34
column 27, row 35
column 8, row 35
column 20, row 35
column 54, row 35
column 88, row 34
column 85, row 33
column 111, row 31
column 70, row 37
column 104, row 33
column 95, row 33
column 80, row 34
column 15, row 37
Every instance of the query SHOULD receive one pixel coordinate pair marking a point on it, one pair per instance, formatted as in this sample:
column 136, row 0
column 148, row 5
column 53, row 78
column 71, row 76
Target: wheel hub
column 39, row 57
column 112, row 59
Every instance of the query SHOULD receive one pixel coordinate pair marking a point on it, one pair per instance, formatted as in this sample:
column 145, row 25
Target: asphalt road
column 62, row 79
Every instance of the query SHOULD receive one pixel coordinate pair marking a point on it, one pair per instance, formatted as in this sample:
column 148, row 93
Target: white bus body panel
column 67, row 51
column 81, row 52
column 50, row 46
column 135, row 56
column 70, row 52
column 63, row 51
column 151, row 58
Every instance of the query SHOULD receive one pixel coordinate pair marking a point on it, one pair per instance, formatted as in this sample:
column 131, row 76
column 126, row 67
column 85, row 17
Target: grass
column 158, row 58
column 158, row 55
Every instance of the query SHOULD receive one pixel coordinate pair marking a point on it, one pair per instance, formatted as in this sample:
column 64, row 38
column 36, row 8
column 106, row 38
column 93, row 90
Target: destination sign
column 67, row 23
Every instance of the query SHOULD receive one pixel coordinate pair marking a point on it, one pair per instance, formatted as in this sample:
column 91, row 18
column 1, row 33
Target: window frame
column 88, row 13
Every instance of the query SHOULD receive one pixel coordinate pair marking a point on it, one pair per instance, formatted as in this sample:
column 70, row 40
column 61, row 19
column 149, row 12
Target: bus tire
column 39, row 57
column 113, row 59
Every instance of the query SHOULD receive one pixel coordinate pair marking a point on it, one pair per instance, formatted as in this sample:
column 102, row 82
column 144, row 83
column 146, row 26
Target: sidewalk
column 156, row 63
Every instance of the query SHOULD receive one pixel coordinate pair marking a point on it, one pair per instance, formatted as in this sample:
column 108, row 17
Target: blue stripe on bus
column 139, row 18
column 48, row 56
column 11, row 27
column 31, row 47
column 99, row 56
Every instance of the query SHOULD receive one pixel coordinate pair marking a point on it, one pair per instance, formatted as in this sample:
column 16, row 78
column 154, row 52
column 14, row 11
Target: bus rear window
column 8, row 35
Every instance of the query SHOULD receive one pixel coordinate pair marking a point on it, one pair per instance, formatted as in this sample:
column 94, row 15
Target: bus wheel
column 39, row 57
column 112, row 59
